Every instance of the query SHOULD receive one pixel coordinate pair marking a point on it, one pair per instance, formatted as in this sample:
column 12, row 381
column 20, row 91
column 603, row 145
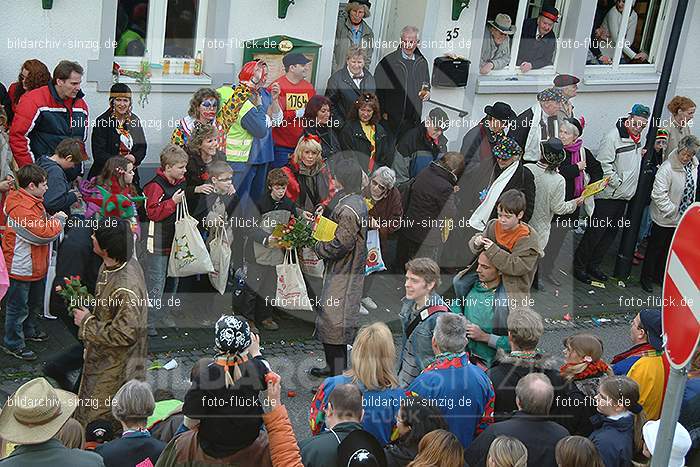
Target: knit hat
column 662, row 134
column 639, row 110
column 650, row 319
column 551, row 94
column 553, row 152
column 119, row 90
column 505, row 148
column 681, row 442
column 231, row 335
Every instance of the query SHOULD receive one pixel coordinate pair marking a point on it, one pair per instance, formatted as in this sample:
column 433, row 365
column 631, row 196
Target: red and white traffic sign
column 681, row 297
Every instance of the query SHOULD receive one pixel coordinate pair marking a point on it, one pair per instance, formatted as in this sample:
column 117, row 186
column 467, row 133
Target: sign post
column 681, row 324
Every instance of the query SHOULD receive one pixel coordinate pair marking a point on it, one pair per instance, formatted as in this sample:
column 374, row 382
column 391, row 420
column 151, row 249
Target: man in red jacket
column 47, row 115
column 295, row 92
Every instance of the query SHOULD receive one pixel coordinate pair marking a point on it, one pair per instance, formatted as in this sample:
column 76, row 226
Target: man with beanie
column 568, row 85
column 538, row 123
column 421, row 145
column 620, row 155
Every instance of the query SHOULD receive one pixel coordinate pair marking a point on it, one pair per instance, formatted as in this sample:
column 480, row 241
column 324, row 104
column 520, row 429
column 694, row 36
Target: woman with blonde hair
column 507, row 452
column 373, row 361
column 583, row 370
column 439, row 448
column 72, row 434
column 575, row 451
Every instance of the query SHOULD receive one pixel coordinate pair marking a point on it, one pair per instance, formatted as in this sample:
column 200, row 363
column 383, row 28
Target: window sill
column 170, row 82
column 516, row 83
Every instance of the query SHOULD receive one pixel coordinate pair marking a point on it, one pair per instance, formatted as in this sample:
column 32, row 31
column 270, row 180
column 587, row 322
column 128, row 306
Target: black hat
column 360, row 448
column 439, row 118
column 553, row 151
column 650, row 319
column 294, row 59
column 99, row 430
column 550, row 13
column 565, row 80
column 119, row 90
column 500, row 111
column 577, row 123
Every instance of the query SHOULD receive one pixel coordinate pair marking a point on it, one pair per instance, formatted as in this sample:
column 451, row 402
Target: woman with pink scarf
column 578, row 169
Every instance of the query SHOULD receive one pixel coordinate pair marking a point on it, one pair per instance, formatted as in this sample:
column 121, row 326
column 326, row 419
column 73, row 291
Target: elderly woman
column 317, row 121
column 347, row 84
column 365, row 136
column 682, row 112
column 578, row 168
column 385, row 210
column 373, row 370
column 203, row 108
column 353, row 30
column 673, row 192
column 118, row 132
column 132, row 405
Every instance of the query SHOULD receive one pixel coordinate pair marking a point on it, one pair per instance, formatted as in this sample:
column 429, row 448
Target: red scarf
column 592, row 369
column 638, row 349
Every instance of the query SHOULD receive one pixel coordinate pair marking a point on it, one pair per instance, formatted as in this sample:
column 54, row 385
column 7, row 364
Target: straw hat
column 36, row 412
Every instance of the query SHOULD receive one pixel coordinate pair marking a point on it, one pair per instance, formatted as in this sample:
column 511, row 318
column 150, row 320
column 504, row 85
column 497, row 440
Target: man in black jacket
column 538, row 42
column 530, row 424
column 481, row 139
column 346, row 85
column 428, row 138
column 403, row 84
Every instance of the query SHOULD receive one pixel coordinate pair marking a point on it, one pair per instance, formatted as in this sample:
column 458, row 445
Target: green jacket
column 322, row 450
column 52, row 453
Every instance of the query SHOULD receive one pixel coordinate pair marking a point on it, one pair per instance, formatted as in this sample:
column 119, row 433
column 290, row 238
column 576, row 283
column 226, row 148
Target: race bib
column 296, row 101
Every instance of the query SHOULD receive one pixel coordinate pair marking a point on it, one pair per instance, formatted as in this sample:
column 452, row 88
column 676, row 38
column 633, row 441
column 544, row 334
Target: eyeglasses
column 378, row 185
column 224, row 179
column 209, row 103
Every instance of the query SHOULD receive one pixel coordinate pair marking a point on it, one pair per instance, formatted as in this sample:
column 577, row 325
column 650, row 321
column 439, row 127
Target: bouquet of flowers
column 74, row 293
column 294, row 234
column 142, row 77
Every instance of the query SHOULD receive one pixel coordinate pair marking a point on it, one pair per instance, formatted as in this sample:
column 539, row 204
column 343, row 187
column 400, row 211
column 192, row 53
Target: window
column 165, row 29
column 641, row 44
column 525, row 13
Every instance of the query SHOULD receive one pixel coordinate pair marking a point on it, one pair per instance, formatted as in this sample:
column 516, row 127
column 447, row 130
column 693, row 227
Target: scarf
column 508, row 238
column 689, row 189
column 592, row 369
column 227, row 361
column 634, row 351
column 482, row 214
column 577, row 156
column 534, row 136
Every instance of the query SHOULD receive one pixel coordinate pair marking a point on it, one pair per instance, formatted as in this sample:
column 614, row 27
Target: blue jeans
column 645, row 227
column 23, row 302
column 157, row 283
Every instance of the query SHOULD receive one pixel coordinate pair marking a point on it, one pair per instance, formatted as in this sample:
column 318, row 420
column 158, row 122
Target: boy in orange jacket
column 26, row 248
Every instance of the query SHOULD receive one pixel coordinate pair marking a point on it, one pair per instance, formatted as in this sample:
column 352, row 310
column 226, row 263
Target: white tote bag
column 374, row 262
column 311, row 264
column 291, row 289
column 188, row 254
column 220, row 253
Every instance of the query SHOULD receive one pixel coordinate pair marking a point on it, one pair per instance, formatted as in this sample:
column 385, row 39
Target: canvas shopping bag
column 311, row 264
column 291, row 290
column 188, row 255
column 220, row 253
column 374, row 261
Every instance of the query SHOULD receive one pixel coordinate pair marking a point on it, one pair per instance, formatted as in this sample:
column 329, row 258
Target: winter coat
column 352, row 138
column 387, row 211
column 43, row 120
column 53, row 453
column 414, row 141
column 539, row 53
column 161, row 211
column 115, row 339
column 57, row 197
column 322, row 450
column 380, row 406
column 400, row 454
column 416, row 349
column 570, row 171
column 27, row 237
column 431, row 203
column 471, row 148
column 452, row 380
column 337, row 320
column 529, row 132
column 498, row 54
column 132, row 449
column 105, row 142
column 330, row 144
column 550, row 189
column 537, row 433
column 516, row 267
column 667, row 193
column 621, row 160
column 507, row 370
column 309, row 188
column 398, row 85
column 614, row 439
column 675, row 134
column 651, row 374
column 343, row 92
column 343, row 42
column 580, row 406
column 197, row 174
column 284, row 450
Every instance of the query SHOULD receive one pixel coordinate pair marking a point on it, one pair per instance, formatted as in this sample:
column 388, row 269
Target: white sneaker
column 369, row 303
column 363, row 310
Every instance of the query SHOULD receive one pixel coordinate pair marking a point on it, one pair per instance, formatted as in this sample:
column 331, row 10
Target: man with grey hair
column 530, row 424
column 460, row 389
column 403, row 84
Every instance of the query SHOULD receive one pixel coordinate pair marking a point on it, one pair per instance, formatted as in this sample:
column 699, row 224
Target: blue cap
column 640, row 110
column 650, row 319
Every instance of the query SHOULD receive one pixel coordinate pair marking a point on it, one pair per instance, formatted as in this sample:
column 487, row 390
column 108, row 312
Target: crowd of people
column 468, row 386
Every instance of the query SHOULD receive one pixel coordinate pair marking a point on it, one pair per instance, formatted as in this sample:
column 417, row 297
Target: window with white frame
column 643, row 23
column 527, row 40
column 164, row 29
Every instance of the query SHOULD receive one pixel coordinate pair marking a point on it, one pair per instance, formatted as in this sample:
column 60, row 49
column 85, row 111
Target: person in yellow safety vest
column 248, row 113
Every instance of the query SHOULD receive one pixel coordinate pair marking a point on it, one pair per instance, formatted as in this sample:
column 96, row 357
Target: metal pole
column 623, row 264
column 669, row 416
column 462, row 113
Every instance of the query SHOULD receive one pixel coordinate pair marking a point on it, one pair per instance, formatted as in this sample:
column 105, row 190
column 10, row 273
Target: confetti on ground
column 591, row 292
column 621, row 284
column 291, row 393
column 563, row 272
column 595, row 321
column 600, row 285
column 567, row 317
